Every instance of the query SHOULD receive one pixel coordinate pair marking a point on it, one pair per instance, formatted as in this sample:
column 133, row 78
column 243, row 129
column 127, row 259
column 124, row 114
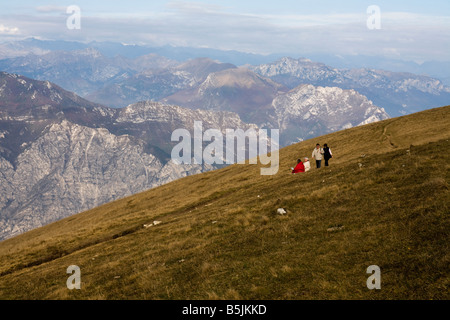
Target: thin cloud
column 195, row 7
column 5, row 30
column 405, row 35
column 51, row 9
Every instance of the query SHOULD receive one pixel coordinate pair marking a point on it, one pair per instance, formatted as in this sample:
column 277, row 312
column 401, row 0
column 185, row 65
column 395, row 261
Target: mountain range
column 61, row 154
column 136, row 73
column 434, row 69
column 301, row 113
column 107, row 134
column 81, row 71
column 398, row 93
column 157, row 83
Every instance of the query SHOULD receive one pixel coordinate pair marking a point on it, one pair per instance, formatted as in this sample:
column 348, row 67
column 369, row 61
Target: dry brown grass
column 219, row 240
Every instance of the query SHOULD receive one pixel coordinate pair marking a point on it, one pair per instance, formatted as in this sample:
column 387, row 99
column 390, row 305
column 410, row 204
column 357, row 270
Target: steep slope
column 28, row 106
column 383, row 201
column 397, row 92
column 21, row 96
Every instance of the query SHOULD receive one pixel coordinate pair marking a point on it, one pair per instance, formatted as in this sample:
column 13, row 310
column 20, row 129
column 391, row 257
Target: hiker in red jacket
column 299, row 167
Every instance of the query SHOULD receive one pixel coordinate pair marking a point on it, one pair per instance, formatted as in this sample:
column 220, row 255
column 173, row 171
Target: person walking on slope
column 317, row 154
column 327, row 155
column 299, row 167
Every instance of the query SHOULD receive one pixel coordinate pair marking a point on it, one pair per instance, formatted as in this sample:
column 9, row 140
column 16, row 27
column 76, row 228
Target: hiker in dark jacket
column 327, row 154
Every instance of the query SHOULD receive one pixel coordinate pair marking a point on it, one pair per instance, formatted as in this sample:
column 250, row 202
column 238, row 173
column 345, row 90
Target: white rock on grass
column 154, row 223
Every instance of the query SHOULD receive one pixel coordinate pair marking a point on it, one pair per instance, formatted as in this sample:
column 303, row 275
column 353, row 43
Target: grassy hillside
column 383, row 201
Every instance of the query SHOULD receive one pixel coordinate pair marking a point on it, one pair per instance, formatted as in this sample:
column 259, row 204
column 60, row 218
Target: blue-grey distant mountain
column 156, row 83
column 132, row 51
column 81, row 71
column 117, row 75
column 435, row 69
column 397, row 92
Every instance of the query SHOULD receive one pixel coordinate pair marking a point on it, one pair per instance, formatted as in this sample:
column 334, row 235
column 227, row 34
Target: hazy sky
column 409, row 30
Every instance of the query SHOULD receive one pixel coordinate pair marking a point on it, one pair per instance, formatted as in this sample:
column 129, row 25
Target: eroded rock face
column 65, row 155
column 72, row 168
column 69, row 169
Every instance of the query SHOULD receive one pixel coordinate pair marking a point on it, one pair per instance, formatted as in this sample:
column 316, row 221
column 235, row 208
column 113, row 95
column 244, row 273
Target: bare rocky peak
column 398, row 92
column 333, row 107
column 302, row 67
column 148, row 111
